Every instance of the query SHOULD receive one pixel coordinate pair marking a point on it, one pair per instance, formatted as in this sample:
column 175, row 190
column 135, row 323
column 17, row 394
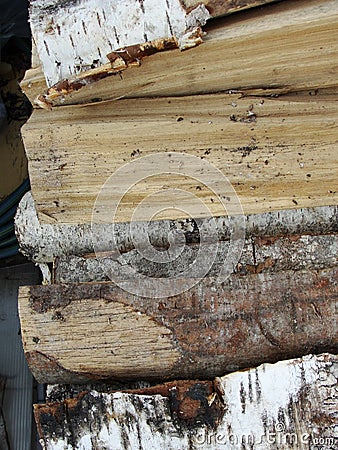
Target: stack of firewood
column 184, row 215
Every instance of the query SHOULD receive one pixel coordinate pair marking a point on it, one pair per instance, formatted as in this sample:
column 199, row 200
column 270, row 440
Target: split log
column 80, row 332
column 262, row 50
column 276, row 154
column 262, row 254
column 288, row 405
column 59, row 28
column 43, row 242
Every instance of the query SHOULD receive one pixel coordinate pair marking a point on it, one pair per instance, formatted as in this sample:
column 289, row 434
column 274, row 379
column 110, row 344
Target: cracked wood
column 98, row 331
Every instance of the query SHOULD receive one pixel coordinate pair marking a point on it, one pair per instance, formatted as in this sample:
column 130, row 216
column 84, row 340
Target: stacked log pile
column 184, row 215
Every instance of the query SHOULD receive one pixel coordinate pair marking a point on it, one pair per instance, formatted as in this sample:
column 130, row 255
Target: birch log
column 43, row 242
column 290, row 405
column 259, row 254
column 263, row 49
column 59, row 28
column 80, row 332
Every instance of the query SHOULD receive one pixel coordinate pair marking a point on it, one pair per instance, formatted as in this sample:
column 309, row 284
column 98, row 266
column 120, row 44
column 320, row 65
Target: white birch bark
column 288, row 405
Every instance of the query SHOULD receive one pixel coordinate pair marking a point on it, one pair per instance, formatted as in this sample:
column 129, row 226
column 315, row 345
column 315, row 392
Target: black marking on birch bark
column 141, row 2
column 242, row 395
column 46, row 47
column 169, row 24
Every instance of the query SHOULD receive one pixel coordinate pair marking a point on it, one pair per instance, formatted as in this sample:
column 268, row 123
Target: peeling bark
column 120, row 59
column 59, row 29
column 284, row 406
column 101, row 332
column 238, row 54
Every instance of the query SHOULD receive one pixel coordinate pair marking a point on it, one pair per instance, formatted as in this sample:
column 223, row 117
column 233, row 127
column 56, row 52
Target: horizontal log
column 59, row 29
column 79, row 332
column 288, row 405
column 239, row 52
column 260, row 254
column 264, row 154
column 44, row 242
column 111, row 26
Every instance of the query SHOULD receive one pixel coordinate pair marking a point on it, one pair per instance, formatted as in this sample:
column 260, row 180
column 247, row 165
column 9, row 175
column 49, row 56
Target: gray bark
column 43, row 243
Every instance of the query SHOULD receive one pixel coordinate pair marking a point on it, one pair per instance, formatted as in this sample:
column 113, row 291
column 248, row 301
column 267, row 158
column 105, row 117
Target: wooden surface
column 290, row 405
column 285, row 46
column 60, row 27
column 77, row 332
column 44, row 242
column 278, row 153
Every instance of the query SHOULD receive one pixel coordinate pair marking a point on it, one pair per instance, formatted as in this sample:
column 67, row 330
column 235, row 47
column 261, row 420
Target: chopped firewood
column 288, row 405
column 260, row 254
column 283, row 47
column 275, row 154
column 44, row 242
column 98, row 331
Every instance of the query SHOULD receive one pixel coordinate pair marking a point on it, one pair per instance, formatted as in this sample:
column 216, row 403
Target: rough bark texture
column 284, row 406
column 44, row 242
column 98, row 331
column 260, row 254
column 264, row 49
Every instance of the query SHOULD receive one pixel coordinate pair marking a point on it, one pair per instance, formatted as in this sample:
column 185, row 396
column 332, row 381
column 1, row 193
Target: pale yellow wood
column 286, row 46
column 285, row 158
column 121, row 338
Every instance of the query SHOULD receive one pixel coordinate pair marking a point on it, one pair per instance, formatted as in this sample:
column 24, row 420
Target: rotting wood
column 276, row 153
column 261, row 254
column 288, row 405
column 43, row 242
column 236, row 54
column 98, row 331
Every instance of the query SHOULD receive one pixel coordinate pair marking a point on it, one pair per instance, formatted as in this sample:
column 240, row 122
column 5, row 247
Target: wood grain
column 277, row 153
column 286, row 46
column 78, row 332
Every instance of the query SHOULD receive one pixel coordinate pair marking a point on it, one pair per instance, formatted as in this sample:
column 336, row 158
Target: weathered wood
column 284, row 406
column 262, row 254
column 76, row 332
column 44, row 242
column 236, row 54
column 276, row 153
